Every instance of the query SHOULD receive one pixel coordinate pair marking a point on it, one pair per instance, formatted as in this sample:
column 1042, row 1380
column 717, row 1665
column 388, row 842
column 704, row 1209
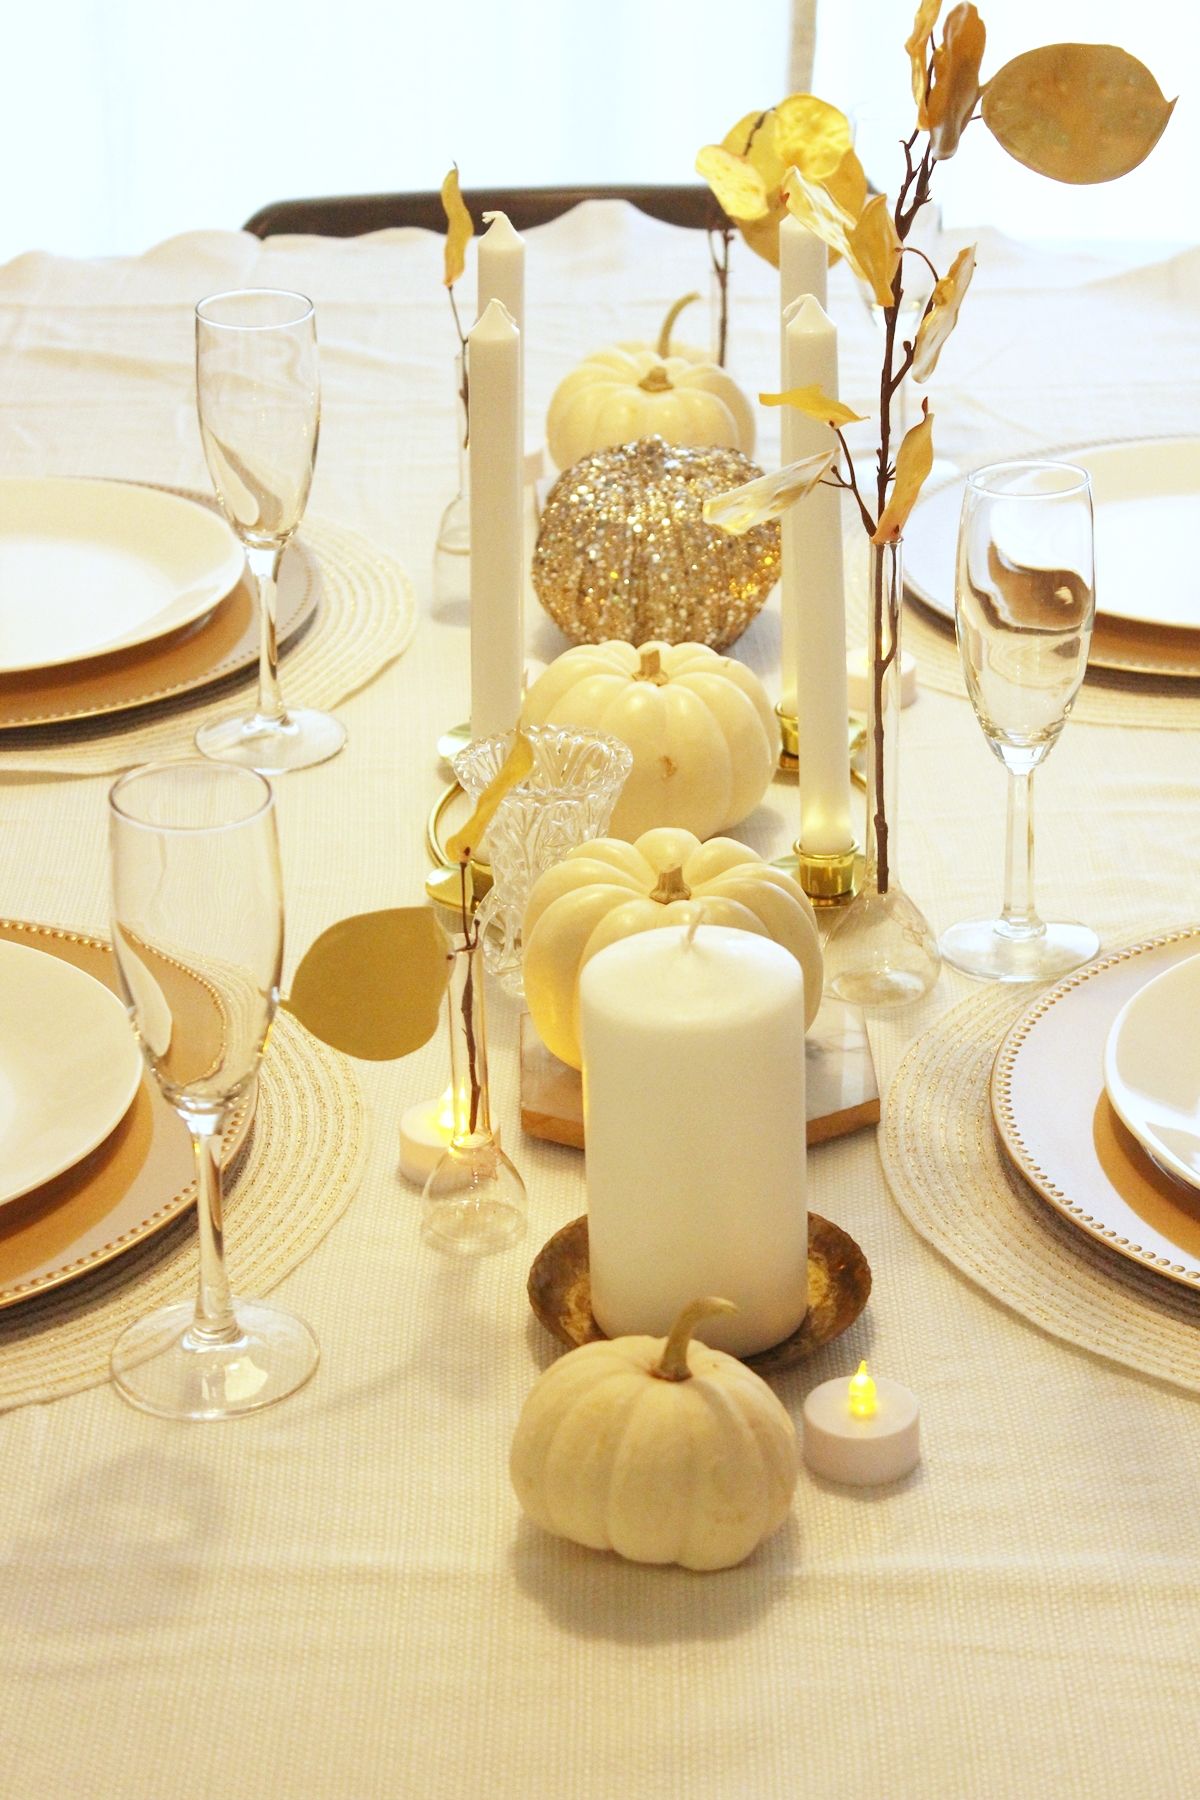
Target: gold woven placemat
column 1107, row 696
column 295, row 1176
column 954, row 1186
column 366, row 621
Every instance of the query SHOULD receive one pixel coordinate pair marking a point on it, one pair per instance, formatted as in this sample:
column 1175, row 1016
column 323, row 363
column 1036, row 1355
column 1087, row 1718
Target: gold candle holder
column 831, row 880
column 789, row 741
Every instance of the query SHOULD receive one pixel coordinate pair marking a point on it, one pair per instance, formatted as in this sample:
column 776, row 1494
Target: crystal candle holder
column 566, row 799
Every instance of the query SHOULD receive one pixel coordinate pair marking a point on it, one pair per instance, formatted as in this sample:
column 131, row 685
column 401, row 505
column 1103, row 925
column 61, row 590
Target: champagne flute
column 1024, row 609
column 258, row 397
column 197, row 931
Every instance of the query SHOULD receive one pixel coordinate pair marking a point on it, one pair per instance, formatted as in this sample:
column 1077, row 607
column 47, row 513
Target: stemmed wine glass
column 1024, row 609
column 197, row 930
column 258, row 396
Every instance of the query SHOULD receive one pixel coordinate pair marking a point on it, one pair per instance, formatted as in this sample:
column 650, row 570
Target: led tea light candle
column 425, row 1133
column 865, row 1431
column 693, row 1094
column 858, row 680
column 497, row 524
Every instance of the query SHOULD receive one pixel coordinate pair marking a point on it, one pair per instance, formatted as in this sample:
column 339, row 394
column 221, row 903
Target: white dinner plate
column 69, row 1067
column 1152, row 1069
column 89, row 567
column 1147, row 504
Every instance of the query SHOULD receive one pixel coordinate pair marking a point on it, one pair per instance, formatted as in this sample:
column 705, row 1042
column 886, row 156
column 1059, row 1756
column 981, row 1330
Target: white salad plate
column 1152, row 1069
column 69, row 1067
column 90, row 567
column 1147, row 510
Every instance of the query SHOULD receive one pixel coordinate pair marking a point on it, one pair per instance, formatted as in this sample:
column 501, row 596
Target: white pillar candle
column 693, row 1094
column 813, row 599
column 497, row 523
column 864, row 1438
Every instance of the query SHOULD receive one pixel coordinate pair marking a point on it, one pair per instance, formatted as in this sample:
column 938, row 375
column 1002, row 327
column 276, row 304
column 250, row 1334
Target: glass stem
column 264, row 566
column 1018, row 917
column 214, row 1322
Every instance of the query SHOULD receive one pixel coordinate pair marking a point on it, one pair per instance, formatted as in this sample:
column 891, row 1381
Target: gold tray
column 224, row 642
column 132, row 1186
column 839, row 1285
column 1058, row 1129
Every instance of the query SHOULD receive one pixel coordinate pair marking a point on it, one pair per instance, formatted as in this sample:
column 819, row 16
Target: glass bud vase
column 881, row 952
column 474, row 1200
column 452, row 551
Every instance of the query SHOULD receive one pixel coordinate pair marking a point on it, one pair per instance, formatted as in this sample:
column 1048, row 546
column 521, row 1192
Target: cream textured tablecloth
column 339, row 1597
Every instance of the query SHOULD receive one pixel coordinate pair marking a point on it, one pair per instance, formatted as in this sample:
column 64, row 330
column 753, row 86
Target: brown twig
column 464, row 392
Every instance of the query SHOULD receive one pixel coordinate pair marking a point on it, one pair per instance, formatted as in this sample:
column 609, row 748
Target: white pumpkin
column 632, row 391
column 661, row 1449
column 606, row 889
column 704, row 736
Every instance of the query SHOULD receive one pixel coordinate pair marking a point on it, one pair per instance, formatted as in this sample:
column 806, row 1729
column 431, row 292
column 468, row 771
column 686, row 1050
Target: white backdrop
column 126, row 121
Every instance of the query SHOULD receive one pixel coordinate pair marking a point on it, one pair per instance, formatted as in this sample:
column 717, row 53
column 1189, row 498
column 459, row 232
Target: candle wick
column 694, row 922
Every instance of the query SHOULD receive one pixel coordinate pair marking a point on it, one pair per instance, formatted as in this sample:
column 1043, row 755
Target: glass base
column 881, row 952
column 159, row 1365
column 981, row 947
column 473, row 1202
column 270, row 746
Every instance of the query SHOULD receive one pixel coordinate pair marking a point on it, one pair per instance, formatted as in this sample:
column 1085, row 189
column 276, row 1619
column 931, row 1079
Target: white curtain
column 125, row 121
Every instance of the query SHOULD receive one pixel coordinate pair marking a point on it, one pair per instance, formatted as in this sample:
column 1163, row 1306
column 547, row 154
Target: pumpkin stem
column 656, row 381
column 673, row 1363
column 663, row 347
column 650, row 667
column 671, row 886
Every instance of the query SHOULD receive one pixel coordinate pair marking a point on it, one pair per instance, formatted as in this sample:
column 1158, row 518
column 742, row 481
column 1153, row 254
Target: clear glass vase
column 566, row 799
column 881, row 951
column 474, row 1200
column 452, row 551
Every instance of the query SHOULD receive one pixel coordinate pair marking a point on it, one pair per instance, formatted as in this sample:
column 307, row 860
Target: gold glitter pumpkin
column 623, row 550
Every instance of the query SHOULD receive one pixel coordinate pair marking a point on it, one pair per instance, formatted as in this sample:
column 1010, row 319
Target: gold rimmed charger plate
column 223, row 643
column 132, row 1186
column 839, row 1286
column 1057, row 1127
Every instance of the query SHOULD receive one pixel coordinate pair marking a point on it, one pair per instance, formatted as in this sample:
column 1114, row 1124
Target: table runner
column 340, row 1598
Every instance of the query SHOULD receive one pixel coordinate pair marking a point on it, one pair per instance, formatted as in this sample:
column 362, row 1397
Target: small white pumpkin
column 704, row 736
column 661, row 1449
column 631, row 391
column 606, row 889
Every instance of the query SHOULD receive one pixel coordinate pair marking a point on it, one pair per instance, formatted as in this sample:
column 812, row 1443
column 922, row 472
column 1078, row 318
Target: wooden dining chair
column 349, row 215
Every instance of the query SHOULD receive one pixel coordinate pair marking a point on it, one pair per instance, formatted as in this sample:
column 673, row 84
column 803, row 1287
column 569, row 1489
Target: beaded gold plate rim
column 839, row 1286
column 1008, row 1127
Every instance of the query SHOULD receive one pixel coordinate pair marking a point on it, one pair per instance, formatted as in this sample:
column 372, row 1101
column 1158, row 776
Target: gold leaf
column 912, row 466
column 941, row 315
column 848, row 185
column 816, row 207
column 740, row 190
column 875, row 248
column 753, row 139
column 814, row 405
column 372, row 985
column 767, row 496
column 1079, row 113
column 459, row 229
column 762, row 236
column 917, row 45
column 811, row 134
column 954, row 89
column 462, row 846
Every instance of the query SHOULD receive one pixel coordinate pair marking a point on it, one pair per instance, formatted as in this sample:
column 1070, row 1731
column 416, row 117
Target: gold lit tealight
column 863, row 1395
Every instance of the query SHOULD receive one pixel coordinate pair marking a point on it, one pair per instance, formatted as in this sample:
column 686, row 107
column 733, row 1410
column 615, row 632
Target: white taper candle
column 497, row 537
column 814, row 596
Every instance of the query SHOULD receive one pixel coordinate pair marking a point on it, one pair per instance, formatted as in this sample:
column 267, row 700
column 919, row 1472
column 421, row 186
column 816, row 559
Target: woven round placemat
column 1107, row 696
column 366, row 620
column 294, row 1177
column 954, row 1186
